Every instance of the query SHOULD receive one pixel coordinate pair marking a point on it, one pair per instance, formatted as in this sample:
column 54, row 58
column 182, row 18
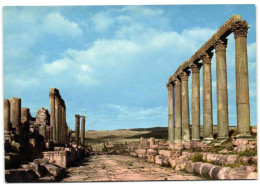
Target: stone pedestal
column 207, row 98
column 242, row 87
column 185, row 118
column 170, row 113
column 195, row 102
column 15, row 114
column 222, row 93
column 178, row 114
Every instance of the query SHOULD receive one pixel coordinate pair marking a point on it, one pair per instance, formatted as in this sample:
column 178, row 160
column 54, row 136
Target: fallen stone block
column 189, row 166
column 165, row 161
column 247, row 168
column 254, row 160
column 244, row 160
column 197, row 168
column 172, row 163
column 238, row 142
column 158, row 159
column 205, row 169
column 231, row 159
column 214, row 172
column 223, row 173
column 20, row 175
column 54, row 170
column 151, row 152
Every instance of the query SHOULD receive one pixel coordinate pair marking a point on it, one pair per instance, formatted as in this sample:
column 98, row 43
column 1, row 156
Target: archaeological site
column 45, row 149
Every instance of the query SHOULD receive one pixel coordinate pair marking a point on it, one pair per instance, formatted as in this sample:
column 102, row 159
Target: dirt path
column 121, row 168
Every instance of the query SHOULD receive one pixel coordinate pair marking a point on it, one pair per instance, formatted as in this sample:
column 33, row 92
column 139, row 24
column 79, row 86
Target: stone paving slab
column 122, row 168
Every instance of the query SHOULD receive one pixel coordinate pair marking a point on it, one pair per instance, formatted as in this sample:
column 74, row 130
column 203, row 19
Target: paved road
column 121, row 168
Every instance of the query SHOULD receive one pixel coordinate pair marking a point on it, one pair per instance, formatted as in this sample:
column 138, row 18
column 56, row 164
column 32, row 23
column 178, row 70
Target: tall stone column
column 62, row 125
column 52, row 115
column 178, row 114
column 82, row 131
column 195, row 68
column 222, row 92
column 185, row 118
column 60, row 121
column 77, row 128
column 25, row 117
column 207, row 98
column 170, row 113
column 57, row 130
column 7, row 124
column 242, row 87
column 15, row 114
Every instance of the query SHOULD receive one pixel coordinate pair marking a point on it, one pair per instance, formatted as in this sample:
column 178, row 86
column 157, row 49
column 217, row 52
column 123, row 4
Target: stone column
column 52, row 115
column 195, row 68
column 62, row 125
column 177, row 97
column 222, row 93
column 170, row 113
column 25, row 117
column 207, row 98
column 56, row 119
column 152, row 140
column 242, row 87
column 185, row 116
column 15, row 114
column 82, row 131
column 60, row 121
column 77, row 128
column 7, row 124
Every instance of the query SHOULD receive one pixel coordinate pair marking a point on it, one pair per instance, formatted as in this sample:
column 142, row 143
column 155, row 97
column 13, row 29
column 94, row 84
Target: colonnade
column 178, row 91
column 80, row 133
column 59, row 128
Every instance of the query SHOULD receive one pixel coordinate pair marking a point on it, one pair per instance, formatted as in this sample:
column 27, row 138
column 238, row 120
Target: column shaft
column 195, row 102
column 82, row 131
column 56, row 119
column 7, row 125
column 77, row 128
column 178, row 113
column 185, row 119
column 207, row 98
column 15, row 114
column 170, row 113
column 242, row 87
column 222, row 93
column 52, row 116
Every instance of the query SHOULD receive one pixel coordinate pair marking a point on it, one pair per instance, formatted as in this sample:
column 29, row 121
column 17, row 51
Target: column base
column 185, row 141
column 208, row 140
column 195, row 140
column 244, row 136
column 177, row 141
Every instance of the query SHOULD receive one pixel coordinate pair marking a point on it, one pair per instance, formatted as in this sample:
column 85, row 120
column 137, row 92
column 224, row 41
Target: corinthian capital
column 177, row 82
column 240, row 29
column 195, row 68
column 206, row 57
column 220, row 45
column 184, row 75
column 170, row 86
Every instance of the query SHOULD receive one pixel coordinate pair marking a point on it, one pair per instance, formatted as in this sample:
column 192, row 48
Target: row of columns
column 178, row 95
column 80, row 133
column 59, row 127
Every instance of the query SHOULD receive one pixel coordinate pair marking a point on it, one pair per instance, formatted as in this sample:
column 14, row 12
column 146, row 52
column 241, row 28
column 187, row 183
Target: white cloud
column 55, row 23
column 102, row 21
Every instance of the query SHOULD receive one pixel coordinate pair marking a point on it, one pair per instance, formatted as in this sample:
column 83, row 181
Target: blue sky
column 111, row 63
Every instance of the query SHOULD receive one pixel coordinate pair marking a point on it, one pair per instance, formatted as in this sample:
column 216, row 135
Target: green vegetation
column 197, row 157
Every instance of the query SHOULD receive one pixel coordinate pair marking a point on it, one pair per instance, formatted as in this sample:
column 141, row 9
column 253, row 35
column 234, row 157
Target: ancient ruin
column 178, row 91
column 40, row 147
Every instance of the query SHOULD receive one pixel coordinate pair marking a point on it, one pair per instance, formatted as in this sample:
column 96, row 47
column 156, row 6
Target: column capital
column 184, row 75
column 77, row 116
column 206, row 57
column 220, row 45
column 240, row 29
column 83, row 116
column 195, row 68
column 169, row 86
column 177, row 82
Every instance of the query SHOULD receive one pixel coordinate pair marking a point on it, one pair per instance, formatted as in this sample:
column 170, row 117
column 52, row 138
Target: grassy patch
column 197, row 157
